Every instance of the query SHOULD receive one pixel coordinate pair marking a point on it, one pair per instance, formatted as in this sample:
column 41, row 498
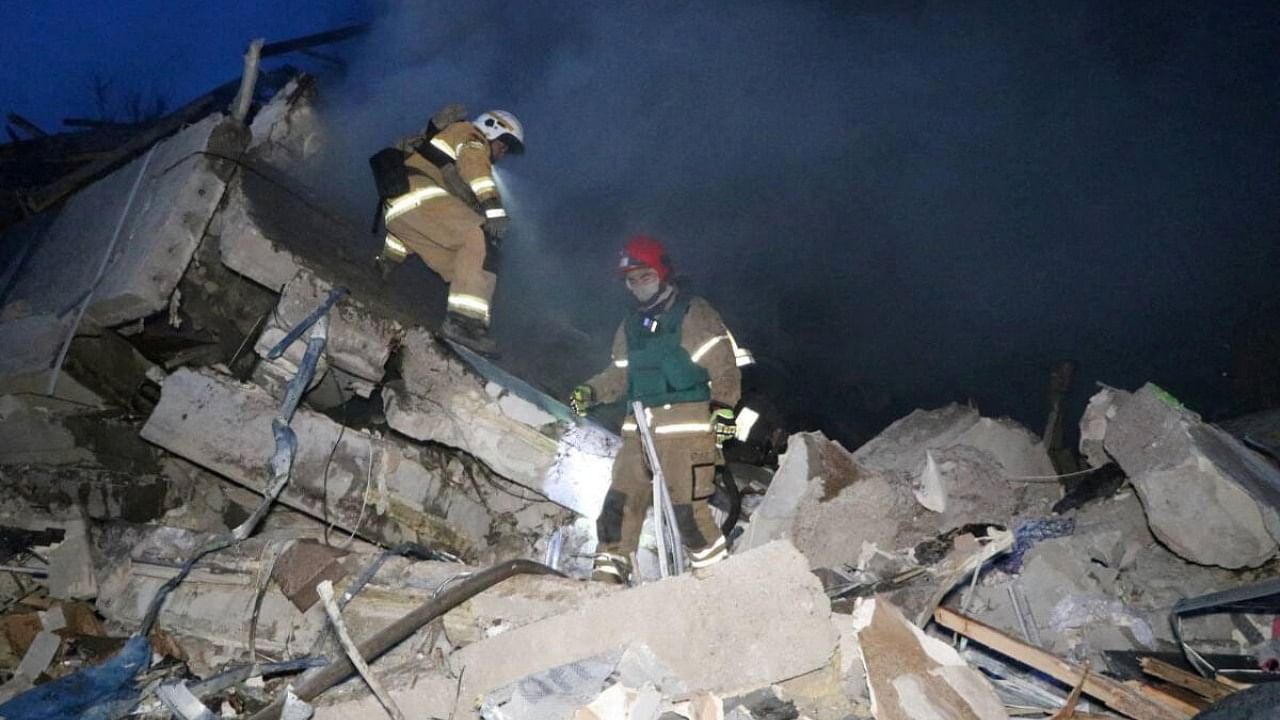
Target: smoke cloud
column 894, row 205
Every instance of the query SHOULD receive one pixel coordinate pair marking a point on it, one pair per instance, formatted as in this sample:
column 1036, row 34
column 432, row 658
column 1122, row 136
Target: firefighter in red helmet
column 674, row 355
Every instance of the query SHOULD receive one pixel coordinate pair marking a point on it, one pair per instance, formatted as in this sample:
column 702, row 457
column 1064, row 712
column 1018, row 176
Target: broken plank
column 1068, row 710
column 1202, row 686
column 78, row 178
column 1110, row 692
column 1171, row 697
column 311, row 41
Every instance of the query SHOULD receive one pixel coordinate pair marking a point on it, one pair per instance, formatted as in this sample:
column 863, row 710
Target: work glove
column 724, row 424
column 496, row 227
column 582, row 399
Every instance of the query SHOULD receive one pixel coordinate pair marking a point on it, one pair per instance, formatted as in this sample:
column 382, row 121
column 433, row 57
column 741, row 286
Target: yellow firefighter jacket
column 429, row 188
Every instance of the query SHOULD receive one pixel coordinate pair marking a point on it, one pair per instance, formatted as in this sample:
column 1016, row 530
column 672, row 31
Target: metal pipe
column 317, row 681
column 240, row 108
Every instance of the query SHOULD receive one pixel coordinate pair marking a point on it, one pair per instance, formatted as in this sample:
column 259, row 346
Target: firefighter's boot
column 611, row 568
column 469, row 333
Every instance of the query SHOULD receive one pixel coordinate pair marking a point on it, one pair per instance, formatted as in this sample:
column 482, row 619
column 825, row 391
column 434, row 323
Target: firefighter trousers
column 687, row 452
column 447, row 235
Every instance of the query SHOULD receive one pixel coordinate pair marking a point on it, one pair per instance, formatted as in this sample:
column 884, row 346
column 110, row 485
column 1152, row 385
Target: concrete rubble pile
column 451, row 506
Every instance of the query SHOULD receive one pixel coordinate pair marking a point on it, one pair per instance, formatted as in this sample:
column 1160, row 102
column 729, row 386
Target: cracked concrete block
column 248, row 247
column 214, row 605
column 827, row 505
column 902, row 445
column 33, row 433
column 1018, row 450
column 286, row 130
column 1206, row 496
column 71, row 570
column 912, row 675
column 360, row 338
column 1098, row 415
column 442, row 399
column 176, row 198
column 759, row 617
column 368, row 483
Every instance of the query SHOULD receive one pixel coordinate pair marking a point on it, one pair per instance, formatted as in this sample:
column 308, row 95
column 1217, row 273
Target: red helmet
column 645, row 251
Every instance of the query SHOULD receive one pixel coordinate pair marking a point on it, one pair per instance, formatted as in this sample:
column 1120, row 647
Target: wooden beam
column 1068, row 710
column 1111, row 693
column 1170, row 698
column 73, row 181
column 310, row 41
column 91, row 123
column 1202, row 686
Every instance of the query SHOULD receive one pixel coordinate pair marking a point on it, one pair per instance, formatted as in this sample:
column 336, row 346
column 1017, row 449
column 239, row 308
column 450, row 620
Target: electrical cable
column 1050, row 478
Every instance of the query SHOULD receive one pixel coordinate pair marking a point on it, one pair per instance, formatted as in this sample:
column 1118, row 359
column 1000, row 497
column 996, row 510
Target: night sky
column 894, row 204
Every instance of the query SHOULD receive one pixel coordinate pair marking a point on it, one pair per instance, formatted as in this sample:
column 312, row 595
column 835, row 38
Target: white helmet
column 502, row 125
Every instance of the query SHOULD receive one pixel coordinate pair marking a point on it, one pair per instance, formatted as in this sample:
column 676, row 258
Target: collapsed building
column 226, row 441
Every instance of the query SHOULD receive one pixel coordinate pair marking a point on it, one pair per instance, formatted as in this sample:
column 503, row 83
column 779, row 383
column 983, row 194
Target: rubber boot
column 469, row 333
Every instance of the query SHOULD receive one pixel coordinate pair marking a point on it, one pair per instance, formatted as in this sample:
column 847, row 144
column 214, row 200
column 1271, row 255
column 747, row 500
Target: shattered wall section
column 160, row 230
column 355, row 479
column 360, row 339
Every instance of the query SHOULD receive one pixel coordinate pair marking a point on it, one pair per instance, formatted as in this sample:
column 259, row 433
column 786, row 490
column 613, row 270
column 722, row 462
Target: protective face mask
column 645, row 293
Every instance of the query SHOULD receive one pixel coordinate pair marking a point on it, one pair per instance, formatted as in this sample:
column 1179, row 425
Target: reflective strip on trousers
column 411, row 200
column 395, row 248
column 620, row 363
column 682, row 428
column 483, row 185
column 710, row 555
column 492, row 213
column 469, row 305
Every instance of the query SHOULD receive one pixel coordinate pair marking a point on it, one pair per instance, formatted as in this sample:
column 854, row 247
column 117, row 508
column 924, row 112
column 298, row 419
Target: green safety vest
column 659, row 369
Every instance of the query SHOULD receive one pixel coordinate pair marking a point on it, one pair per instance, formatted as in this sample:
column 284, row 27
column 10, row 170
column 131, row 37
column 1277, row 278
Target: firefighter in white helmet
column 440, row 202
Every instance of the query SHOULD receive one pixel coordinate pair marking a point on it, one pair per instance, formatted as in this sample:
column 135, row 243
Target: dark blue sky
column 895, row 204
column 50, row 51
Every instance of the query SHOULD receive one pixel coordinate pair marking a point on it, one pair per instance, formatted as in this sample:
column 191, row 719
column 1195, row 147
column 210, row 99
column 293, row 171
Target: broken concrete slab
column 1019, row 451
column 815, row 495
column 360, row 482
column 164, row 220
column 360, row 339
column 555, row 693
column 1197, row 487
column 31, row 343
column 780, row 628
column 839, row 512
column 212, row 610
column 442, row 399
column 1098, row 415
column 901, row 447
column 71, row 566
column 32, row 432
column 912, row 675
column 286, row 131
